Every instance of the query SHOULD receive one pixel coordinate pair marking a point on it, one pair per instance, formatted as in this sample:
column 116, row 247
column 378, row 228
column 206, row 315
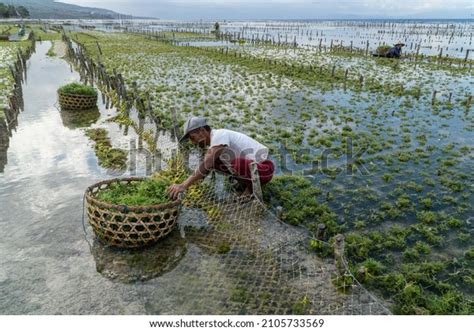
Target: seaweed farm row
column 433, row 38
column 8, row 56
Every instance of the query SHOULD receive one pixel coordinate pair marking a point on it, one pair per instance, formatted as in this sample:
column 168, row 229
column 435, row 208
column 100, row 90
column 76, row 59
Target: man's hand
column 175, row 190
column 206, row 165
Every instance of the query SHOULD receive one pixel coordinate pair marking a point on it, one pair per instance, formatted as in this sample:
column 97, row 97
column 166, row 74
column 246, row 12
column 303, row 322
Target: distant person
column 229, row 152
column 217, row 30
column 396, row 51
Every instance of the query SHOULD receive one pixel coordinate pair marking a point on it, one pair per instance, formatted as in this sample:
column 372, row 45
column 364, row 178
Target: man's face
column 198, row 137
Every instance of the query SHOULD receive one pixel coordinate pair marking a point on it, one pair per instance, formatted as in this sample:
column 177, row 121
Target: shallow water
column 452, row 36
column 49, row 166
column 205, row 43
column 50, row 264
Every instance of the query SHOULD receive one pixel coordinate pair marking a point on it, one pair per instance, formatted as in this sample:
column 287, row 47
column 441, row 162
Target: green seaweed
column 110, row 158
column 301, row 307
column 149, row 192
column 223, row 248
column 321, row 248
column 449, row 303
column 240, row 295
column 78, row 89
column 152, row 191
column 410, row 301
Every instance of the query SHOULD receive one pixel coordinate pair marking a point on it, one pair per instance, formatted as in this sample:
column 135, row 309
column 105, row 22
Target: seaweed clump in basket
column 144, row 193
column 78, row 89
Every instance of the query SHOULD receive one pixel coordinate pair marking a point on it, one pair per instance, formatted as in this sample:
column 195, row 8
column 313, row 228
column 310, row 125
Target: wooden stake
column 321, row 234
column 469, row 101
column 339, row 254
column 257, row 189
column 98, row 47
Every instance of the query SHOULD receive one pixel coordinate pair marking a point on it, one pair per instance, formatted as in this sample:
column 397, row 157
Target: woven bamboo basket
column 129, row 226
column 77, row 101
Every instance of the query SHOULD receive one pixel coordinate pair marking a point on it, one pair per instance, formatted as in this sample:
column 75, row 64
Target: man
column 396, row 51
column 229, row 152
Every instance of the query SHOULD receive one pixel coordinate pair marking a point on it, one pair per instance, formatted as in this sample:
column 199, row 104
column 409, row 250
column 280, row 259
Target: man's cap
column 191, row 124
column 399, row 43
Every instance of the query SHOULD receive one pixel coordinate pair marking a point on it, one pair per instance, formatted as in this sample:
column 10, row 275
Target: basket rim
column 145, row 208
column 78, row 95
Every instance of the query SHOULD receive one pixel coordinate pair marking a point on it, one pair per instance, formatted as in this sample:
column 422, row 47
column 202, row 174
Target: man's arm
column 201, row 172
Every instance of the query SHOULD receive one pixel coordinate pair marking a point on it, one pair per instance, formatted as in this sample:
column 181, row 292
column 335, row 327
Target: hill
column 9, row 11
column 50, row 9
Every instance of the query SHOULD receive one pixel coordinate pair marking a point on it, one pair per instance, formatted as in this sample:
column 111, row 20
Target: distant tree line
column 10, row 11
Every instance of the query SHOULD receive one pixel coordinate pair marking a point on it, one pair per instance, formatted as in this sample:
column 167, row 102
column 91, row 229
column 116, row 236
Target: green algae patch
column 110, row 158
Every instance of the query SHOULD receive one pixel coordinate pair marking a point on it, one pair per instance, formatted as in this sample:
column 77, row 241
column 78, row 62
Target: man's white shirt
column 238, row 145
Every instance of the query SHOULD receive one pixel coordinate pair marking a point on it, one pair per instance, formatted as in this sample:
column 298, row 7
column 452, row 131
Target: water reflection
column 128, row 266
column 79, row 119
column 4, row 142
column 7, row 125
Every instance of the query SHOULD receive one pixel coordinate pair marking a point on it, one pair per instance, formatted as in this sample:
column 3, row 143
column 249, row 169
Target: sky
column 286, row 9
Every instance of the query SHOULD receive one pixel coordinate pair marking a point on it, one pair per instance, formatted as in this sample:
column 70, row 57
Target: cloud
column 303, row 9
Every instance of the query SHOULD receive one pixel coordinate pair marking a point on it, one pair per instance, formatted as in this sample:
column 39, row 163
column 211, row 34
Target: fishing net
column 268, row 265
